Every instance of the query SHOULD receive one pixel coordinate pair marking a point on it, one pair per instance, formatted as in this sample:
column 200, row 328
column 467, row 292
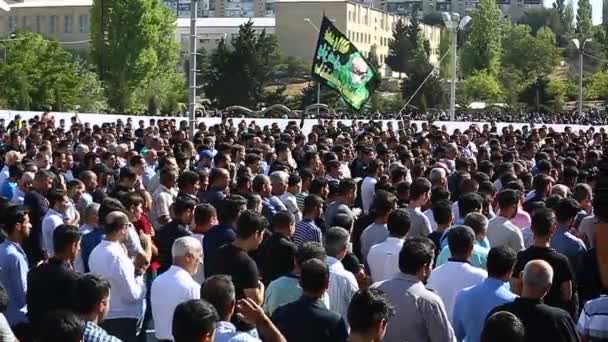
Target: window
column 12, row 23
column 53, row 23
column 67, row 22
column 39, row 23
column 84, row 23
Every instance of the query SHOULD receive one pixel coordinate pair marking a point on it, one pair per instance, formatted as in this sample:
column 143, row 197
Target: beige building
column 65, row 20
column 298, row 21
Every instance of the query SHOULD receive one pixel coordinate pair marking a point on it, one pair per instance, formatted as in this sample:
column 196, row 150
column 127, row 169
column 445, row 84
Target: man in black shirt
column 277, row 253
column 541, row 321
column 307, row 319
column 183, row 210
column 233, row 259
column 560, row 292
column 51, row 285
column 38, row 205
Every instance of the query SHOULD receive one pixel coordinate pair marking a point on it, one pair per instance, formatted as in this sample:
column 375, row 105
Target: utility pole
column 581, row 51
column 192, row 80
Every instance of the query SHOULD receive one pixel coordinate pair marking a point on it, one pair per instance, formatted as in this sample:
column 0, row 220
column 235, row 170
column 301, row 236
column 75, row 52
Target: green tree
column 482, row 49
column 568, row 20
column 482, row 86
column 127, row 62
column 399, row 48
column 239, row 75
column 540, row 17
column 557, row 90
column 583, row 19
column 41, row 75
column 597, row 88
column 373, row 58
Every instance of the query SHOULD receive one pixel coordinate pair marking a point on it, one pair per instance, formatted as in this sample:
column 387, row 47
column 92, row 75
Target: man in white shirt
column 368, row 186
column 109, row 259
column 163, row 197
column 294, row 186
column 55, row 216
column 342, row 283
column 448, row 279
column 176, row 285
column 501, row 232
column 383, row 258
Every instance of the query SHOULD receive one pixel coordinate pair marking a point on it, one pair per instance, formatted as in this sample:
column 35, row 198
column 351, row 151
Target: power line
column 423, row 82
column 594, row 57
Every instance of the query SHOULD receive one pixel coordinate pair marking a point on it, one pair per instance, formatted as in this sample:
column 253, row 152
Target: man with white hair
column 175, row 285
column 439, row 178
column 23, row 186
column 11, row 158
column 278, row 180
column 542, row 322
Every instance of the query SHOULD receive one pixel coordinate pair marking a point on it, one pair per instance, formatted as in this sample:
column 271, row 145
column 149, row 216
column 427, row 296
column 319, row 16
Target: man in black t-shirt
column 277, row 253
column 233, row 260
column 560, row 293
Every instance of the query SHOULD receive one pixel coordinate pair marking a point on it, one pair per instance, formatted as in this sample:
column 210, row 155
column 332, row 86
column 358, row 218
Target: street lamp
column 454, row 24
column 581, row 51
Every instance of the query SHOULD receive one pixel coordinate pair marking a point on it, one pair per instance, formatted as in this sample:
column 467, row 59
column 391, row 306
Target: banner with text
column 338, row 64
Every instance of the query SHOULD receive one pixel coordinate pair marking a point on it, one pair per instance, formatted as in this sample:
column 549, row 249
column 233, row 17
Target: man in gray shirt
column 347, row 192
column 420, row 313
column 420, row 193
column 377, row 232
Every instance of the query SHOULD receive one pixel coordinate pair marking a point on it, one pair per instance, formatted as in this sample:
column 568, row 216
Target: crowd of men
column 346, row 233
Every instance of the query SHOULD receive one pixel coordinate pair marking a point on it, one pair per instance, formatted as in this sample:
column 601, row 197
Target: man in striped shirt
column 593, row 322
column 307, row 230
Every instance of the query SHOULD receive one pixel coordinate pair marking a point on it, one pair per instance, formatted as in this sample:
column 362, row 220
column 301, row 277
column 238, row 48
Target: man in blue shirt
column 473, row 304
column 14, row 264
column 7, row 189
column 562, row 240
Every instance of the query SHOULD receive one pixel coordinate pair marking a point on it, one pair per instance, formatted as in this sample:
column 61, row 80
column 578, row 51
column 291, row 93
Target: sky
column 596, row 6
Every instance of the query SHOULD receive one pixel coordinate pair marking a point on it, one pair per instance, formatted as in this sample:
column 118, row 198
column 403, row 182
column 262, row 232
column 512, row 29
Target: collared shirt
column 420, row 313
column 335, row 208
column 368, row 191
column 501, row 232
column 291, row 203
column 226, row 332
column 51, row 221
column 149, row 173
column 8, row 188
column 162, row 200
column 94, row 333
column 342, row 286
column 448, row 279
column 306, row 231
column 300, row 200
column 128, row 292
column 473, row 304
column 18, row 197
column 569, row 245
column 593, row 322
column 586, row 230
column 13, row 276
column 374, row 234
column 285, row 290
column 383, row 259
column 479, row 258
column 170, row 289
column 431, row 217
column 420, row 226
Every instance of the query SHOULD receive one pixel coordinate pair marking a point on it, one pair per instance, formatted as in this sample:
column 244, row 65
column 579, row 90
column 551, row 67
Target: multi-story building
column 65, row 20
column 297, row 24
column 223, row 8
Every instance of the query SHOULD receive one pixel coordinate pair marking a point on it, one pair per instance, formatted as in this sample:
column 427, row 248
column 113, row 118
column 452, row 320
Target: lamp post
column 192, row 80
column 454, row 24
column 581, row 50
column 318, row 83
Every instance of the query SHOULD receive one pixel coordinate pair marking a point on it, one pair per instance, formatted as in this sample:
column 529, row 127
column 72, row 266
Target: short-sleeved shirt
column 276, row 257
column 562, row 271
column 235, row 262
column 593, row 322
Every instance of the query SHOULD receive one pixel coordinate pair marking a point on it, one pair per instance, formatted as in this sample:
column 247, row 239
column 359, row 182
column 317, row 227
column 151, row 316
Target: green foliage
column 482, row 86
column 557, row 91
column 597, row 88
column 292, row 66
column 238, row 75
column 541, row 17
column 40, row 75
column 402, row 46
column 130, row 64
column 583, row 19
column 482, row 49
column 373, row 58
column 386, row 103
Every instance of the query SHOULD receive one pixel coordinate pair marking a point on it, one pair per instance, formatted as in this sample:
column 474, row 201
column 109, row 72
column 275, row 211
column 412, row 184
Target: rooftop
column 227, row 22
column 51, row 3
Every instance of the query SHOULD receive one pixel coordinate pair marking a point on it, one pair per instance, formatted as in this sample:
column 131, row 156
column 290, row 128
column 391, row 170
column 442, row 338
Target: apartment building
column 223, row 8
column 298, row 21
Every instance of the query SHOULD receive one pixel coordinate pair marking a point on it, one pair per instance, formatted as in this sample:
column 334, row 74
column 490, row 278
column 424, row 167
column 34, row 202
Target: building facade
column 298, row 21
column 68, row 21
column 223, row 8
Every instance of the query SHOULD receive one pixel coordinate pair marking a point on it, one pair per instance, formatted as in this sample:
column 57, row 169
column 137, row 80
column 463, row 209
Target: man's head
column 348, row 190
column 416, row 257
column 537, row 279
column 284, row 222
column 501, row 261
column 194, row 321
column 442, row 213
column 313, row 207
column 17, row 223
column 205, row 217
column 314, row 278
column 219, row 178
column 566, row 211
column 188, row 182
column 250, row 229
column 183, row 209
column 66, row 241
column 230, row 208
column 479, row 223
column 469, row 203
column 503, row 326
column 75, row 189
column 61, row 326
column 219, row 291
column 369, row 312
column 92, row 295
column 43, row 181
column 399, row 223
column 460, row 241
column 279, row 181
column 58, row 200
column 116, row 225
column 187, row 253
column 335, row 241
column 168, row 177
column 420, row 191
column 91, row 214
column 543, row 223
column 310, row 250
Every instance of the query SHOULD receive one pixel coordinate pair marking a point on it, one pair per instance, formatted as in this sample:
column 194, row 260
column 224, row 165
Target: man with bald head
column 542, row 322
